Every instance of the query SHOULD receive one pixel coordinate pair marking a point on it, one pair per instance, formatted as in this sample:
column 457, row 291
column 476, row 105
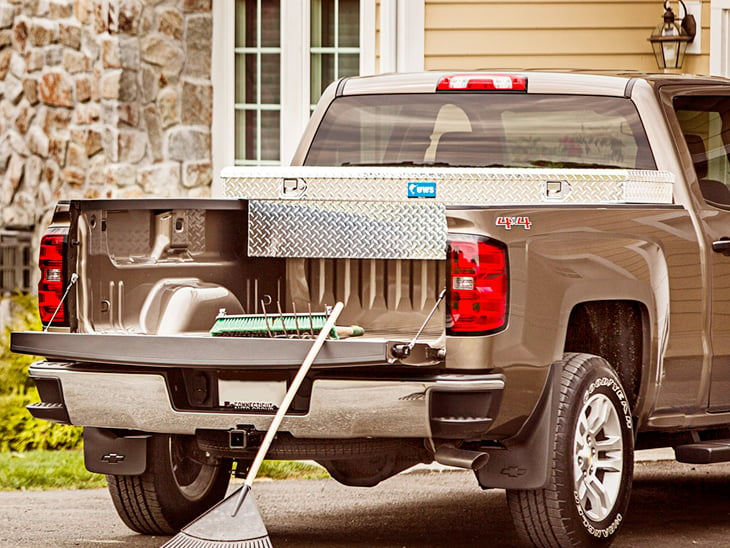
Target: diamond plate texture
column 128, row 234
column 347, row 229
column 454, row 186
column 191, row 233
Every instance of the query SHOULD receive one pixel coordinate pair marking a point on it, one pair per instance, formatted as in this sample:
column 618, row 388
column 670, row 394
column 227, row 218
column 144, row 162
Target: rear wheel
column 180, row 483
column 591, row 467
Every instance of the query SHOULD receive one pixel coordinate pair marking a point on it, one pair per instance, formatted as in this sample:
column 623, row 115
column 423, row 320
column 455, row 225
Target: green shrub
column 23, row 311
column 19, row 431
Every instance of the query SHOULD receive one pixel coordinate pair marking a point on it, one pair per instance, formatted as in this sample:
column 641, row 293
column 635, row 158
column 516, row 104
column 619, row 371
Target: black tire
column 180, row 483
column 591, row 467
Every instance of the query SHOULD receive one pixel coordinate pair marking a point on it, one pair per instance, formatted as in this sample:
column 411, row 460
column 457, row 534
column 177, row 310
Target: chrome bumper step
column 54, row 412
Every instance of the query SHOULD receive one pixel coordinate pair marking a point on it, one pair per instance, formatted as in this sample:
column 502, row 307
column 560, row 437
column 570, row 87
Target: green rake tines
column 297, row 326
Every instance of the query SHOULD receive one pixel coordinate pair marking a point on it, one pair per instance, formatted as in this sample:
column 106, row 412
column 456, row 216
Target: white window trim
column 294, row 75
column 719, row 37
column 367, row 37
column 402, row 35
column 222, row 68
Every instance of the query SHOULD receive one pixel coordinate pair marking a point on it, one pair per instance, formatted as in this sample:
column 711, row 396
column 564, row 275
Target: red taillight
column 52, row 284
column 478, row 286
column 482, row 82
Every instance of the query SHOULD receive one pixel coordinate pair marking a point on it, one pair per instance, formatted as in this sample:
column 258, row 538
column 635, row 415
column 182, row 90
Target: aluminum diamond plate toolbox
column 346, row 229
column 451, row 186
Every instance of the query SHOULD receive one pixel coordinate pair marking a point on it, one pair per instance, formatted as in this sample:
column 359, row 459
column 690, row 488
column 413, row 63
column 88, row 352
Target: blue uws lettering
column 421, row 190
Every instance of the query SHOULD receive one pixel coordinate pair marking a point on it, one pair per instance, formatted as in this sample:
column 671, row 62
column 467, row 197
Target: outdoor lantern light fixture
column 670, row 40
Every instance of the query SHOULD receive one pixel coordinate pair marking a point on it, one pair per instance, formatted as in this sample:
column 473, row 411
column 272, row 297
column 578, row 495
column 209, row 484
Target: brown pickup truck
column 539, row 263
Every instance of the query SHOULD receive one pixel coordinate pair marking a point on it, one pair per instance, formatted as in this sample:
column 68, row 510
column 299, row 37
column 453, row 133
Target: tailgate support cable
column 404, row 350
column 74, row 278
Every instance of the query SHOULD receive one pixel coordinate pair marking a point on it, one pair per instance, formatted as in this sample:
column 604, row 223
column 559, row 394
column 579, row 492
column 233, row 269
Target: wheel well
column 614, row 330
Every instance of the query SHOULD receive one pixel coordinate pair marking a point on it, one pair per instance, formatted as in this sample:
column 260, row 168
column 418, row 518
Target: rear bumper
column 337, row 408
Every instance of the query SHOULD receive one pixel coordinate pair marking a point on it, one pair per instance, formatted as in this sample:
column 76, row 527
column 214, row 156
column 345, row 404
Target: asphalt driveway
column 673, row 505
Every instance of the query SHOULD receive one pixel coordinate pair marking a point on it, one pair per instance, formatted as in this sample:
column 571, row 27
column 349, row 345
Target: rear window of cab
column 467, row 129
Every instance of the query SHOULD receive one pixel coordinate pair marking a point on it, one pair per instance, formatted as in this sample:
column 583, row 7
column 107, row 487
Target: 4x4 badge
column 509, row 222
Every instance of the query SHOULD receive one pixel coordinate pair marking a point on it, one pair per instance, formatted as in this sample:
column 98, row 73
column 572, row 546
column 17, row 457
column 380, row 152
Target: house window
column 258, row 82
column 15, row 260
column 334, row 43
column 269, row 70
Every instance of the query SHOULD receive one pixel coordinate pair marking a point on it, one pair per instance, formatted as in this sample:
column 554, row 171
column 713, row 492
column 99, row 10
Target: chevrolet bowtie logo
column 112, row 458
column 514, row 471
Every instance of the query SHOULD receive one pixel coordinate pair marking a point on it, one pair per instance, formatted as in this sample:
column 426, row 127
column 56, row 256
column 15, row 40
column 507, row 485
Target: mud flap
column 523, row 462
column 106, row 452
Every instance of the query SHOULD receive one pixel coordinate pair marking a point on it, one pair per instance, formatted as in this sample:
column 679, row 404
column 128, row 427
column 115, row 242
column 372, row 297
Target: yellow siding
column 596, row 34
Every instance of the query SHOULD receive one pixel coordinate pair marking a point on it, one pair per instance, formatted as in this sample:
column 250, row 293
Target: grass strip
column 46, row 470
column 289, row 469
column 43, row 470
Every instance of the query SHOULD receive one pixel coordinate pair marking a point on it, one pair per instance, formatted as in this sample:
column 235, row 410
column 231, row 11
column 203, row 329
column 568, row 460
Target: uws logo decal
column 421, row 189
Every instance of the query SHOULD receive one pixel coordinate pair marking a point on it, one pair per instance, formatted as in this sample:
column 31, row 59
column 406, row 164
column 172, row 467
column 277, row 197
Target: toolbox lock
column 557, row 190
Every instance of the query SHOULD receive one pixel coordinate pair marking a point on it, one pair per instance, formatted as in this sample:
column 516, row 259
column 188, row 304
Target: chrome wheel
column 598, row 457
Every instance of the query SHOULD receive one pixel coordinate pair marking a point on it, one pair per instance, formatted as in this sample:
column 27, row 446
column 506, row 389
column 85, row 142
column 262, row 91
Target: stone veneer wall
column 102, row 99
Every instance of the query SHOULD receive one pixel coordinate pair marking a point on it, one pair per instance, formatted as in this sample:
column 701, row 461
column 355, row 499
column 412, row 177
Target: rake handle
column 286, row 402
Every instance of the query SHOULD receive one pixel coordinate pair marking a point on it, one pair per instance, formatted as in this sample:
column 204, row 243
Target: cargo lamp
column 482, row 82
column 669, row 40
